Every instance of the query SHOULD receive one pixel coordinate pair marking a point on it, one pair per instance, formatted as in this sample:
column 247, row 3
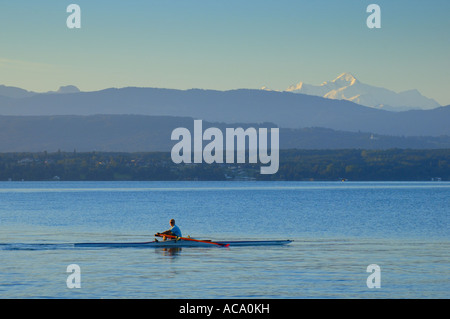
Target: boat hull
column 181, row 243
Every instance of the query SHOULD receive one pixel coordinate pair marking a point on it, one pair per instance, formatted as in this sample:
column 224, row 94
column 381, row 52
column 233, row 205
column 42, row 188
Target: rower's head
column 172, row 222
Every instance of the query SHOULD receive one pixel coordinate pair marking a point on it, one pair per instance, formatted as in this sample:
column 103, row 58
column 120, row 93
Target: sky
column 223, row 45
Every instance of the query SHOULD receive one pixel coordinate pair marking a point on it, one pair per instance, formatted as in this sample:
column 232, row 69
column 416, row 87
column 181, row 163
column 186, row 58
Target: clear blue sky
column 223, row 45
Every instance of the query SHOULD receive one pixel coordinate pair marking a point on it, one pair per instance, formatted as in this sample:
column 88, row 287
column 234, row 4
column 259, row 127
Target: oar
column 191, row 239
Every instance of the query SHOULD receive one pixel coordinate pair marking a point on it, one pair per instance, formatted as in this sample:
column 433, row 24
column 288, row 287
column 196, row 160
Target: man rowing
column 174, row 230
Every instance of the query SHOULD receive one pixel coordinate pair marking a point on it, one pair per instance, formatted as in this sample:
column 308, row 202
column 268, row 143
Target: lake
column 338, row 229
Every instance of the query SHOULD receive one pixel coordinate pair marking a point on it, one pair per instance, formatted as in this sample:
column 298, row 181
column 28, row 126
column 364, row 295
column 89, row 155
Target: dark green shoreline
column 295, row 165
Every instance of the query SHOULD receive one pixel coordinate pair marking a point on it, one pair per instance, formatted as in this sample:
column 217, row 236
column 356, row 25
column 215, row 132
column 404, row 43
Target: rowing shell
column 192, row 239
column 183, row 243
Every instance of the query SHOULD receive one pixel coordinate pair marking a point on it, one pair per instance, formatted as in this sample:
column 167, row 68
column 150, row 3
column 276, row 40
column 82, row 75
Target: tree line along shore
column 295, row 165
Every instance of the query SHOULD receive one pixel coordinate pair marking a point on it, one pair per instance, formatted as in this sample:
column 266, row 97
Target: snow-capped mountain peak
column 347, row 87
column 345, row 79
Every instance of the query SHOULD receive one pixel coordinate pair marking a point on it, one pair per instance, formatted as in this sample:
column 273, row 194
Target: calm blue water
column 338, row 230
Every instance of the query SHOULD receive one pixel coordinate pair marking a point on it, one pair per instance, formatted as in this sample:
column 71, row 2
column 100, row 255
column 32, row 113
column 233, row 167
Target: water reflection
column 170, row 252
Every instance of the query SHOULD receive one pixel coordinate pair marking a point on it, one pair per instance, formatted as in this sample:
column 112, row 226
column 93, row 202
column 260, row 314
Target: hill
column 285, row 109
column 139, row 133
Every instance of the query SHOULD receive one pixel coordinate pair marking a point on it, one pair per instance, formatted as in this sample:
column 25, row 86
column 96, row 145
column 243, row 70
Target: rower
column 174, row 230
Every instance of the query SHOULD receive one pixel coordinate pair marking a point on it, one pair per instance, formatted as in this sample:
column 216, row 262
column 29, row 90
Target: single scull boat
column 209, row 242
column 184, row 242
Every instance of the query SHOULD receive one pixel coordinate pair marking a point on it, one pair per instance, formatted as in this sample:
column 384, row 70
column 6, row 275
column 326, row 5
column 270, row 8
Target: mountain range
column 14, row 92
column 347, row 87
column 284, row 109
column 143, row 133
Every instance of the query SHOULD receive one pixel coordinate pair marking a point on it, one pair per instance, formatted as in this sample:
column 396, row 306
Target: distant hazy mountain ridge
column 14, row 92
column 140, row 133
column 284, row 109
